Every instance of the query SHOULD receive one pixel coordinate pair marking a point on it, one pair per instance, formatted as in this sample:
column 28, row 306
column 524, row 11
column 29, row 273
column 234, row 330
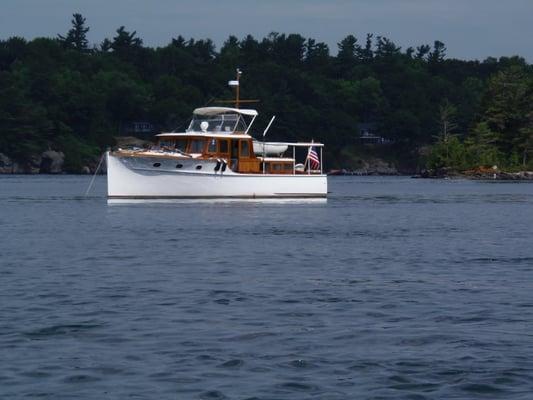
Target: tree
column 524, row 141
column 438, row 53
column 452, row 154
column 481, row 144
column 251, row 50
column 348, row 49
column 125, row 44
column 203, row 51
column 286, row 49
column 77, row 36
column 106, row 45
column 385, row 48
column 422, row 51
column 509, row 102
column 447, row 126
column 367, row 53
column 316, row 54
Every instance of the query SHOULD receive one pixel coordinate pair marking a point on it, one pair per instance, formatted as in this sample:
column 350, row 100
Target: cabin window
column 198, row 167
column 178, row 166
column 217, row 123
column 245, row 149
column 223, row 146
column 157, row 164
column 196, row 146
column 165, row 143
column 212, row 148
column 181, row 144
column 276, row 167
column 287, row 167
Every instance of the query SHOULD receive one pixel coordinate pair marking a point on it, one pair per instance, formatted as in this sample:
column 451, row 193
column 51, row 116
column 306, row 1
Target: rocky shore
column 48, row 162
column 53, row 162
column 477, row 174
column 370, row 167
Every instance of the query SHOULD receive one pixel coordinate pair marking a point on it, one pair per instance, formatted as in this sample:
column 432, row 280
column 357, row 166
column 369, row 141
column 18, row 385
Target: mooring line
column 94, row 176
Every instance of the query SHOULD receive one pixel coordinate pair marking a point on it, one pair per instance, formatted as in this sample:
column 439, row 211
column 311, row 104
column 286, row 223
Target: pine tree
column 348, row 49
column 422, row 51
column 509, row 102
column 525, row 138
column 77, row 36
column 481, row 144
column 367, row 53
column 438, row 53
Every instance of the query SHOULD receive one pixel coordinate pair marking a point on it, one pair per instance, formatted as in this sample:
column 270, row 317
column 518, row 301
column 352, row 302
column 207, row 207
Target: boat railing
column 294, row 145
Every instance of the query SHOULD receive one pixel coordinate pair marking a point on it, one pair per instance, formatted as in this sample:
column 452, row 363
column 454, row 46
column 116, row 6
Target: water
column 393, row 288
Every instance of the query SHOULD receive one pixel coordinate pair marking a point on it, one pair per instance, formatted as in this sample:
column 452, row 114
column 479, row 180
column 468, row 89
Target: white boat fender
column 218, row 165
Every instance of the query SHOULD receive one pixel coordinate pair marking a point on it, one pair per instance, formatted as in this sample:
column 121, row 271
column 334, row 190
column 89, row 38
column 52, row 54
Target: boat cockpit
column 221, row 120
column 224, row 123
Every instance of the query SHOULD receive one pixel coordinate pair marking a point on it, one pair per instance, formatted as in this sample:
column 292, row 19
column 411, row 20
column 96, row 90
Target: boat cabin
column 237, row 149
column 222, row 133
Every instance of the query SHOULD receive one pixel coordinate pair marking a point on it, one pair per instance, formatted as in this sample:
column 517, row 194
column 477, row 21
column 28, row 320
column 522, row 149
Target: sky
column 470, row 29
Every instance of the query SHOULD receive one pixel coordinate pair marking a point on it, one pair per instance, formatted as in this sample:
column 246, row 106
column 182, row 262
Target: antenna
column 236, row 84
column 268, row 126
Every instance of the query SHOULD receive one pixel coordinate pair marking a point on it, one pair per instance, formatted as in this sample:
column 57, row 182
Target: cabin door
column 234, row 155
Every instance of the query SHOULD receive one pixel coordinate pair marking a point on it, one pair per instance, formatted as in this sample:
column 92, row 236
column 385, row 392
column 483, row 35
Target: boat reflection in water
column 316, row 200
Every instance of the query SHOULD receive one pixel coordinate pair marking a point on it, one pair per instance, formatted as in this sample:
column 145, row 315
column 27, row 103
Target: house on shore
column 370, row 135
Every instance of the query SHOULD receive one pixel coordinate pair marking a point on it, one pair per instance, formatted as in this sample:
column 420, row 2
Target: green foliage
column 59, row 93
column 76, row 152
column 451, row 154
column 481, row 147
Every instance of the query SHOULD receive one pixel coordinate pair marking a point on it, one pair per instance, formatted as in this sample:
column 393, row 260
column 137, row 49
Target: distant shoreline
column 522, row 176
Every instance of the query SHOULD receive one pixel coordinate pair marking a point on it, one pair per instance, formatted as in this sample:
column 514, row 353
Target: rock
column 34, row 165
column 6, row 165
column 51, row 162
column 526, row 175
column 515, row 176
column 375, row 166
column 18, row 169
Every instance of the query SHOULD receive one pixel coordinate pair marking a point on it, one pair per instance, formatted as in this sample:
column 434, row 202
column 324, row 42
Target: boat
column 217, row 157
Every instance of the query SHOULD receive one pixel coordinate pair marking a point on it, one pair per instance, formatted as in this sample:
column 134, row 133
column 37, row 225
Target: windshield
column 225, row 123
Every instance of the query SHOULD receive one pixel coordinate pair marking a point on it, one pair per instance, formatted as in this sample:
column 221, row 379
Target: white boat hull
column 140, row 180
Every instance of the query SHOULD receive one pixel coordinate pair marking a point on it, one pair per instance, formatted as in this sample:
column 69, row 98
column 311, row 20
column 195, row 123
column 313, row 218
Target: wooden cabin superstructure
column 220, row 133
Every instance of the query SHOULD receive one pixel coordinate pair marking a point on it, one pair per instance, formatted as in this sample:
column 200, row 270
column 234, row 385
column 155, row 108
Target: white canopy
column 221, row 110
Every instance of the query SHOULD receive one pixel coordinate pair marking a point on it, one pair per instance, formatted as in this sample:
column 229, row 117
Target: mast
column 235, row 83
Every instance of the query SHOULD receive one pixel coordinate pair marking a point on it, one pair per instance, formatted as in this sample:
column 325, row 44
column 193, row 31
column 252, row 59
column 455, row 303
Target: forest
column 431, row 111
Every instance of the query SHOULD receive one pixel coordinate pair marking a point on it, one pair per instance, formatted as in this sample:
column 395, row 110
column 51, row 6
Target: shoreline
column 522, row 176
column 476, row 175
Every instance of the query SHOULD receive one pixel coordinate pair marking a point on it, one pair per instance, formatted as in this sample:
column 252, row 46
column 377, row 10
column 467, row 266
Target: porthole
column 157, row 164
column 178, row 166
column 198, row 167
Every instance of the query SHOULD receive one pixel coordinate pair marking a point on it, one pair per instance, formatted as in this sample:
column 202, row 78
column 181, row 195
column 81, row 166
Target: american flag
column 312, row 156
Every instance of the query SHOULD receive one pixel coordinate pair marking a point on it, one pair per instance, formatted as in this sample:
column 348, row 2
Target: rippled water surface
column 393, row 288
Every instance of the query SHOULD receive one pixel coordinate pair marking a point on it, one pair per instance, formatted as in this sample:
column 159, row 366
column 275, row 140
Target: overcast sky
column 471, row 29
